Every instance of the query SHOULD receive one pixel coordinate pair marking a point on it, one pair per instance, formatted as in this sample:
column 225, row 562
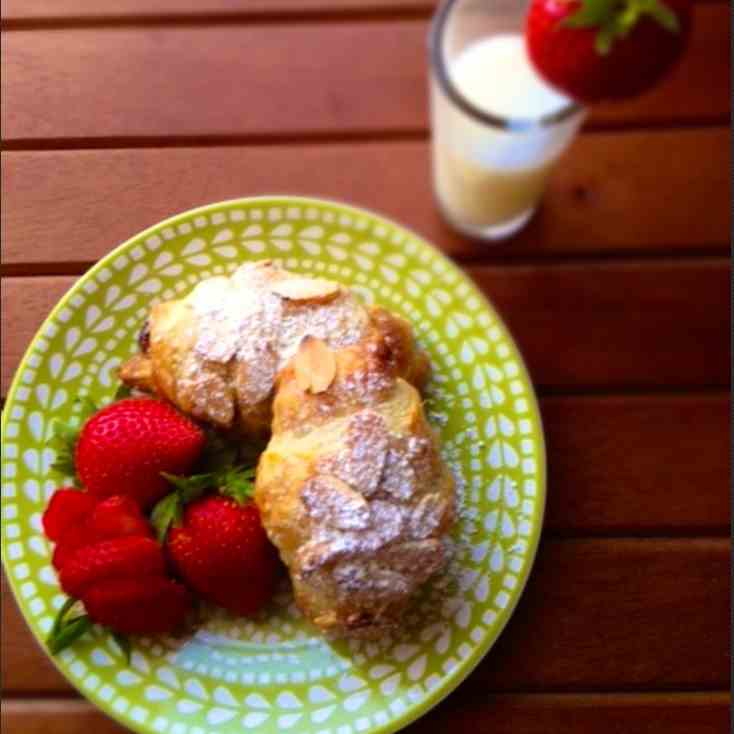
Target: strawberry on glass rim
column 597, row 50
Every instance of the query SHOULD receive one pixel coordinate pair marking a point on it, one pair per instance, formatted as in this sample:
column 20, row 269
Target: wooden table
column 116, row 115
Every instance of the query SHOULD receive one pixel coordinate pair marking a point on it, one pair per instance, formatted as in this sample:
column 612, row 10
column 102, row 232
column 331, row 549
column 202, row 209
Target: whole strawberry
column 222, row 552
column 124, row 447
column 606, row 49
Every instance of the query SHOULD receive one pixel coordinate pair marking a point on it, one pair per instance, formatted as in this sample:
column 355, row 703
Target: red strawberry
column 69, row 544
column 124, row 448
column 116, row 558
column 222, row 552
column 67, row 508
column 140, row 606
column 606, row 49
column 113, row 517
column 116, row 517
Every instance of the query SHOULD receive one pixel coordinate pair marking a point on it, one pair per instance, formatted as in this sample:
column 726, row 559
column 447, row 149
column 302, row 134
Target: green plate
column 276, row 674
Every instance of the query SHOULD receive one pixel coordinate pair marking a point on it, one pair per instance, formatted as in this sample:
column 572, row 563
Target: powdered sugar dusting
column 384, row 473
column 241, row 318
column 407, row 466
column 334, row 503
column 359, row 578
column 364, row 384
column 361, row 463
column 426, row 516
column 339, row 323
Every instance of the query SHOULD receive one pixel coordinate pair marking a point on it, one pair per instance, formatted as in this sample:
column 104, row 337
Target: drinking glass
column 489, row 169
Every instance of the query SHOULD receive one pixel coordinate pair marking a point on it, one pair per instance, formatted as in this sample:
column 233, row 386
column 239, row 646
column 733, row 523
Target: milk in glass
column 489, row 174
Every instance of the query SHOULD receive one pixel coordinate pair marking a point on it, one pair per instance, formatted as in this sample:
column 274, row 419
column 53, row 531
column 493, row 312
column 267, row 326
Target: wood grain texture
column 218, row 81
column 599, row 325
column 618, row 614
column 612, row 193
column 34, row 10
column 14, row 10
column 647, row 325
column 637, row 464
column 596, row 615
column 678, row 713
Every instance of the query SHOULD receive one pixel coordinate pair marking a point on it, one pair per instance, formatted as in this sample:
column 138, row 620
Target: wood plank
column 117, row 83
column 617, row 614
column 642, row 325
column 34, row 10
column 677, row 713
column 71, row 10
column 612, row 713
column 600, row 325
column 612, row 193
column 601, row 480
column 597, row 615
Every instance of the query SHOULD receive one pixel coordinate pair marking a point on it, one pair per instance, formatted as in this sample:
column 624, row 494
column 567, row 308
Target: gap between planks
column 268, row 139
column 675, row 258
column 23, row 16
column 515, row 713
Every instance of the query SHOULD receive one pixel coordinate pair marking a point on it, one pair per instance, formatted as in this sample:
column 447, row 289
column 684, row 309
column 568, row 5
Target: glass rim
column 438, row 64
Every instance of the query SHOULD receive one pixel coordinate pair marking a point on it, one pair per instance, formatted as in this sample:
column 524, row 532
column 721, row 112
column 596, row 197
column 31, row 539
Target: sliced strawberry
column 118, row 516
column 70, row 543
column 113, row 517
column 67, row 508
column 116, row 558
column 145, row 606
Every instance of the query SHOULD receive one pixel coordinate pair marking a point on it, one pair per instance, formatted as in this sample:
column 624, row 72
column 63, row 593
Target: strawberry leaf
column 122, row 392
column 87, row 408
column 123, row 642
column 193, row 487
column 604, row 40
column 66, row 631
column 234, row 482
column 69, row 633
column 615, row 19
column 65, row 435
column 216, row 471
column 662, row 14
column 166, row 512
column 63, row 442
column 67, row 605
column 591, row 13
column 238, row 484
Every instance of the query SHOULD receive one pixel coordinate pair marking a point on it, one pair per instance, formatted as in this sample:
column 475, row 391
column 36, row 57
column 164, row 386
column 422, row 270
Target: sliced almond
column 315, row 365
column 306, row 289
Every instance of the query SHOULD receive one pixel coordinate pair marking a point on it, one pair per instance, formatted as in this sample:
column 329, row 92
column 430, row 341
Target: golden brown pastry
column 215, row 353
column 351, row 487
column 352, row 490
